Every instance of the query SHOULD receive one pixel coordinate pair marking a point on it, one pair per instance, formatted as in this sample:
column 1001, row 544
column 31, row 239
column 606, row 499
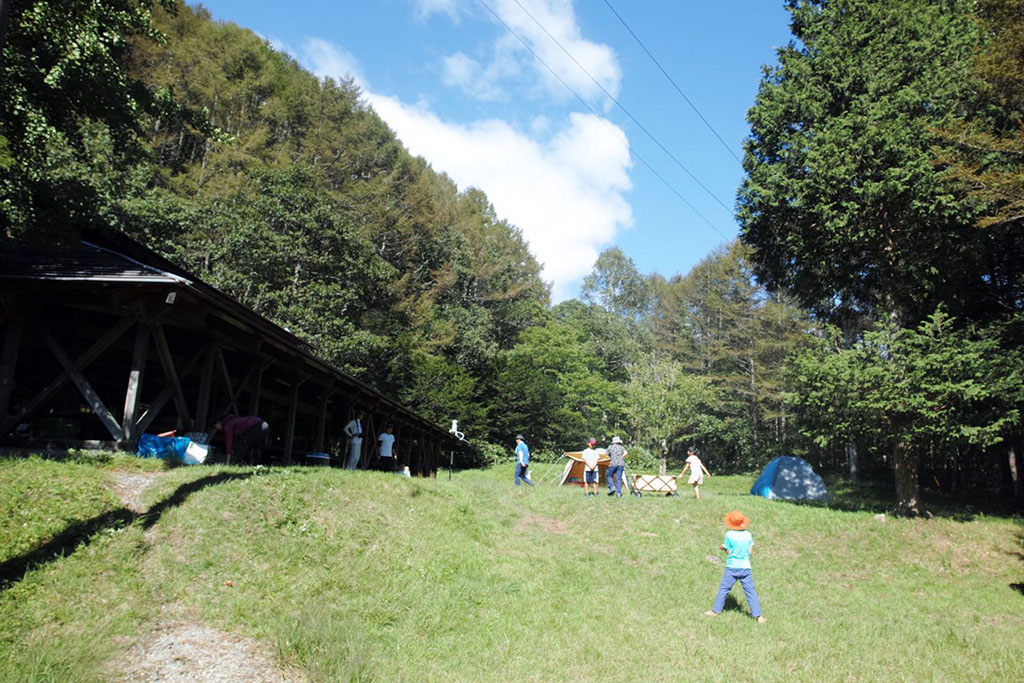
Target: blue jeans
column 521, row 474
column 614, row 475
column 746, row 579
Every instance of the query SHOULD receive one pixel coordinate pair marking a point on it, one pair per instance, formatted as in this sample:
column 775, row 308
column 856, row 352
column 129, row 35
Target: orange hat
column 736, row 520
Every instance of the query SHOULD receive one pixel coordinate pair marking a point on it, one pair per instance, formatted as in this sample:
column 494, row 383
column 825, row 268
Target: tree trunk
column 851, row 458
column 908, row 487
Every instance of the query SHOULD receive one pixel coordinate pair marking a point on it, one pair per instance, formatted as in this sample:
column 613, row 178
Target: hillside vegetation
column 366, row 576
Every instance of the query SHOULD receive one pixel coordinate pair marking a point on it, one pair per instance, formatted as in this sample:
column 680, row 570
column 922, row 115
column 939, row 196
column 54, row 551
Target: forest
column 870, row 314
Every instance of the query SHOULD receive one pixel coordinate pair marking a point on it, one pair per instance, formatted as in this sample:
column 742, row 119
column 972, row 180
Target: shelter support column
column 135, row 377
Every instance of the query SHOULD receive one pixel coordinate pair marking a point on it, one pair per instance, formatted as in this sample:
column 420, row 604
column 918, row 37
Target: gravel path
column 181, row 651
column 128, row 487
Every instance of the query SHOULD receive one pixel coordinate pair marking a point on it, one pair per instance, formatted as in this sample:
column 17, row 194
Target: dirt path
column 128, row 487
column 180, row 650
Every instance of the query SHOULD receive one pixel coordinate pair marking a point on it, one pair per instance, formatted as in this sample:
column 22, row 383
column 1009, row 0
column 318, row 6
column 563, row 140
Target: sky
column 555, row 109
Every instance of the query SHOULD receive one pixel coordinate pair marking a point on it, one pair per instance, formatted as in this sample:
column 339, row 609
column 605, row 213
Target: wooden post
column 259, row 387
column 205, row 388
column 321, row 427
column 226, row 378
column 135, row 377
column 173, row 380
column 292, row 412
column 9, row 360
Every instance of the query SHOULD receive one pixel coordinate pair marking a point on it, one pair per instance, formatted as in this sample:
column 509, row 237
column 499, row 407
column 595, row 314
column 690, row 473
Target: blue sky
column 462, row 90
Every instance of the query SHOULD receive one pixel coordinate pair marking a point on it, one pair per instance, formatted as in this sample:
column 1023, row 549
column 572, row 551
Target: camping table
column 653, row 483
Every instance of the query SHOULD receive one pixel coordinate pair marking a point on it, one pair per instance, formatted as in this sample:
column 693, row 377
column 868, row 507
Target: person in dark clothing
column 241, row 435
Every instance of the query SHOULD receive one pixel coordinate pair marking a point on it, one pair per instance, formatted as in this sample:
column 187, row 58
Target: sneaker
column 762, row 620
column 611, row 493
column 713, row 613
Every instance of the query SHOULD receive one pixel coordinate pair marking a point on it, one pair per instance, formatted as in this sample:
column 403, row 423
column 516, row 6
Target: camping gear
column 318, row 459
column 172, row 448
column 573, row 472
column 654, row 483
column 789, row 478
column 163, row 447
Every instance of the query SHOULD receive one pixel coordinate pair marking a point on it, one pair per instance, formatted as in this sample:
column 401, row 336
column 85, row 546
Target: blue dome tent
column 791, row 478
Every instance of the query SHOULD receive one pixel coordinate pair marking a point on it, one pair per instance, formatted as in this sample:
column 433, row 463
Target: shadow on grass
column 732, row 604
column 13, row 570
column 1019, row 587
column 879, row 497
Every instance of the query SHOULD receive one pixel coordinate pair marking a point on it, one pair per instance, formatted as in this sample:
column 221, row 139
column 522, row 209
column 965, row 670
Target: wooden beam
column 233, row 402
column 101, row 345
column 205, row 388
column 9, row 360
column 292, row 412
column 171, row 389
column 264, row 364
column 135, row 377
column 321, row 427
column 225, row 376
column 104, row 414
column 174, row 381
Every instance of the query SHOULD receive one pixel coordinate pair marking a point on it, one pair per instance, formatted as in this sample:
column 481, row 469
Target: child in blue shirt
column 738, row 542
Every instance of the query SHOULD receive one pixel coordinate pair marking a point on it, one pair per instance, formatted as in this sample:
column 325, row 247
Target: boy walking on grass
column 738, row 542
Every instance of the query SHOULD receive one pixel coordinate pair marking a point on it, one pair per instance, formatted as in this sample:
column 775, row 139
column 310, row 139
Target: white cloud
column 546, row 26
column 466, row 73
column 327, row 60
column 562, row 184
column 566, row 195
column 427, row 7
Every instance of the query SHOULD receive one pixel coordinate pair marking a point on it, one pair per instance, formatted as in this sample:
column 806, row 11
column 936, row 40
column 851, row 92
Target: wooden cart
column 653, row 483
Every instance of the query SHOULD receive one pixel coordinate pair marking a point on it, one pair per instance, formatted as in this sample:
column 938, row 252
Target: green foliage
column 718, row 324
column 668, row 407
column 910, row 392
column 71, row 115
column 551, row 389
column 616, row 285
column 842, row 203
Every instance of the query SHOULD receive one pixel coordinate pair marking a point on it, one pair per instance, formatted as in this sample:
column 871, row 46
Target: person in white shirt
column 590, row 472
column 386, row 449
column 354, row 431
column 697, row 470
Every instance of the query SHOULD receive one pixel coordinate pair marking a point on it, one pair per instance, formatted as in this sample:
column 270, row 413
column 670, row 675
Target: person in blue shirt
column 738, row 542
column 522, row 460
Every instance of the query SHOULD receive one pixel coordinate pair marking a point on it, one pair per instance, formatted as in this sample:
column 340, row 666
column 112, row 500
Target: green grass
column 366, row 576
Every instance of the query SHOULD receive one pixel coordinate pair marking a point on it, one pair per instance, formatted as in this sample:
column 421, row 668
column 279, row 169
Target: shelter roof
column 118, row 259
column 82, row 262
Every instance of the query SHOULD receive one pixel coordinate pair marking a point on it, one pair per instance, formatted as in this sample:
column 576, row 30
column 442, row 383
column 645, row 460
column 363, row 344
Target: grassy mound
column 361, row 575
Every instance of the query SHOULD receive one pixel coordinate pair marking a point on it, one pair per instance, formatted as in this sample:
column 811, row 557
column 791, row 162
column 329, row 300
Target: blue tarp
column 791, row 478
column 163, row 447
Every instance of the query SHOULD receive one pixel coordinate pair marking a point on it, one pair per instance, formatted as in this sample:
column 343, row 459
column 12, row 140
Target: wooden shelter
column 104, row 341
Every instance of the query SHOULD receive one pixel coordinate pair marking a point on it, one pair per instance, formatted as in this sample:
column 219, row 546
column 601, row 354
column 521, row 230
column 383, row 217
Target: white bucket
column 195, row 453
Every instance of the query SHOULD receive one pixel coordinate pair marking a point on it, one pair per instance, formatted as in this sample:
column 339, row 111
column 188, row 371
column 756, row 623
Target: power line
column 672, row 81
column 602, row 120
column 625, row 111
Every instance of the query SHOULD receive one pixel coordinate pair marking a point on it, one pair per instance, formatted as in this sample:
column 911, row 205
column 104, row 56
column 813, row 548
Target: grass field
column 366, row 576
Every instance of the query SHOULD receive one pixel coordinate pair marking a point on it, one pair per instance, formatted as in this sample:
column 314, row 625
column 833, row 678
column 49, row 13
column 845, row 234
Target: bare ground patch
column 128, row 487
column 181, row 651
column 545, row 524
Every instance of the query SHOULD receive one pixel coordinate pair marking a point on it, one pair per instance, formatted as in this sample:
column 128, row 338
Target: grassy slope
column 376, row 577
